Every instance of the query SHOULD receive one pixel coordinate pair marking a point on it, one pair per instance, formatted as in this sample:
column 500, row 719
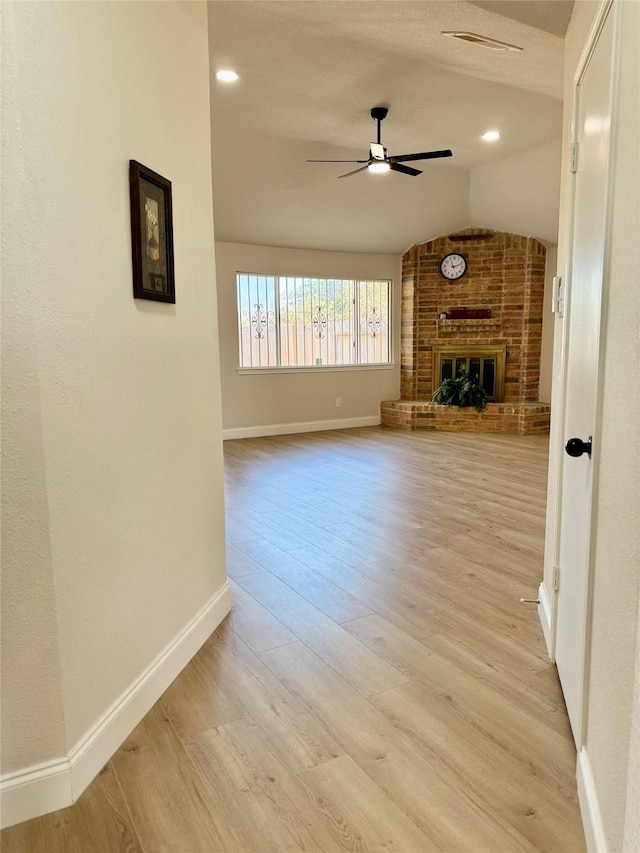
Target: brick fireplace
column 495, row 308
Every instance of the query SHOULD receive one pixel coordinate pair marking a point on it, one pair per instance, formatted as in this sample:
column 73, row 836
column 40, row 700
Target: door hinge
column 573, row 157
column 556, row 578
column 557, row 301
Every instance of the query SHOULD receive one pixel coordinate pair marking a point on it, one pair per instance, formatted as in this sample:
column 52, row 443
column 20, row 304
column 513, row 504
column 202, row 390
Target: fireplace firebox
column 486, row 363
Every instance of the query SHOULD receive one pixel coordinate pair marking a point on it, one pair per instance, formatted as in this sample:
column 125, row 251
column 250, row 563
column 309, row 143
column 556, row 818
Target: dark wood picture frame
column 151, row 234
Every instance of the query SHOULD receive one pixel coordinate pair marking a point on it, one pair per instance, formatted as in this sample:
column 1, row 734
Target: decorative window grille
column 290, row 321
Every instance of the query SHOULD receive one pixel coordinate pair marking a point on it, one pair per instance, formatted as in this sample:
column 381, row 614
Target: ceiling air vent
column 482, row 41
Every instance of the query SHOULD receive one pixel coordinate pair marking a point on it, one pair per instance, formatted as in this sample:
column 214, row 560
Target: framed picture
column 151, row 234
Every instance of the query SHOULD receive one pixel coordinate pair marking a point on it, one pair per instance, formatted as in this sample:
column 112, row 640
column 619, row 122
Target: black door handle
column 576, row 447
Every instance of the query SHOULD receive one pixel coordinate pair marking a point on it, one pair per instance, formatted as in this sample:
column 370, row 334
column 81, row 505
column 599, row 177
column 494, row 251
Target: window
column 288, row 321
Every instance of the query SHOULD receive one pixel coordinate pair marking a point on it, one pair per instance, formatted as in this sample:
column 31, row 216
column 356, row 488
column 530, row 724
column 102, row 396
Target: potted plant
column 463, row 391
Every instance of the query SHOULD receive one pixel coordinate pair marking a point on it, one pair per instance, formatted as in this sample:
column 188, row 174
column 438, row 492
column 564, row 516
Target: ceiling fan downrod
column 378, row 114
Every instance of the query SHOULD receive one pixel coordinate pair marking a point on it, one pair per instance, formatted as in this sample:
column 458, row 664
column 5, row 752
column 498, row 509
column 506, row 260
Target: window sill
column 326, row 368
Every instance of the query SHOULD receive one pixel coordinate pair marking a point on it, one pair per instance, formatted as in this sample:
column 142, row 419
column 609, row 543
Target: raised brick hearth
column 505, row 273
column 497, row 417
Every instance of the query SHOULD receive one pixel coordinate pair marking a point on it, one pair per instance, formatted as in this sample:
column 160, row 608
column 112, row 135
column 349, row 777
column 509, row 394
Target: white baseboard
column 35, row 791
column 38, row 790
column 305, row 426
column 589, row 806
column 544, row 614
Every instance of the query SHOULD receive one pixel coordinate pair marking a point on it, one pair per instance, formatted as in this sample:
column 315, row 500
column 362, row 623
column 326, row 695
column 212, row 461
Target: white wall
column 612, row 705
column 113, row 499
column 631, row 837
column 255, row 401
column 519, row 194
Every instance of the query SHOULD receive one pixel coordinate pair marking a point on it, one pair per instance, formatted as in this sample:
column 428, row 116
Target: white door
column 585, row 274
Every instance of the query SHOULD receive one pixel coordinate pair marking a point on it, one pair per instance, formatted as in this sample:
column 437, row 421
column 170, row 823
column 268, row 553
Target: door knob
column 576, row 447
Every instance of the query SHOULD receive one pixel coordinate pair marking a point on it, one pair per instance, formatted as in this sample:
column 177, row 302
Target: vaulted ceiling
column 310, row 70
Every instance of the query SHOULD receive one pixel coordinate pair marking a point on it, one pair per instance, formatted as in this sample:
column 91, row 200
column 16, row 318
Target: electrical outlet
column 338, row 402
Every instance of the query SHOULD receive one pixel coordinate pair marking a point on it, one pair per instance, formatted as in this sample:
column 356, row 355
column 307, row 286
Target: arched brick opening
column 505, row 277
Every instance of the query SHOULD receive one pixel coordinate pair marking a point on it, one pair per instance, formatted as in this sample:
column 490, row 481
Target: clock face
column 453, row 266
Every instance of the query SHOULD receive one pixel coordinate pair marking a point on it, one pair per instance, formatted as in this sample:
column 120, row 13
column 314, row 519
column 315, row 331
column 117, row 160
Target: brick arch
column 505, row 273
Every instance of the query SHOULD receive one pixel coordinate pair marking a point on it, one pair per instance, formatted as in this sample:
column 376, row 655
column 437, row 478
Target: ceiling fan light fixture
column 379, row 166
column 226, row 75
column 491, row 135
column 379, row 161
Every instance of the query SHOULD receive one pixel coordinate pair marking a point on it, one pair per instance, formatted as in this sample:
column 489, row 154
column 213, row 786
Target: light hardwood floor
column 378, row 685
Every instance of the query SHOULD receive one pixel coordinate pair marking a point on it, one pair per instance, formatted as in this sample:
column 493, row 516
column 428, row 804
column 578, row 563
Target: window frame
column 318, row 368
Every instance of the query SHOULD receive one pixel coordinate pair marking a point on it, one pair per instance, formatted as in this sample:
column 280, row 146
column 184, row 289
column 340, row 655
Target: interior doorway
column 586, row 258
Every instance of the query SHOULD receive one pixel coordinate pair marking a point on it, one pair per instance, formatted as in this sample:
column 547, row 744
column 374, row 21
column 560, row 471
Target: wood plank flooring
column 377, row 686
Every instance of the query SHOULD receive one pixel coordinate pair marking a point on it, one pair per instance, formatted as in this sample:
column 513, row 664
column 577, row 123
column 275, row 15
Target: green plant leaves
column 463, row 391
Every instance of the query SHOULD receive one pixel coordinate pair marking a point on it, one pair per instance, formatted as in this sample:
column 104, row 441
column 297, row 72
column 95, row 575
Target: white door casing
column 586, row 265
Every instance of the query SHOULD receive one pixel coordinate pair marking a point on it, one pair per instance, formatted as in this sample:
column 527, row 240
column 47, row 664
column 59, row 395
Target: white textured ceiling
column 310, row 70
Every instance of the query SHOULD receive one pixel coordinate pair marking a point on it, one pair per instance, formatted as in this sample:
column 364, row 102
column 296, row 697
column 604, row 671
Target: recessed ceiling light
column 226, row 76
column 378, row 166
column 491, row 135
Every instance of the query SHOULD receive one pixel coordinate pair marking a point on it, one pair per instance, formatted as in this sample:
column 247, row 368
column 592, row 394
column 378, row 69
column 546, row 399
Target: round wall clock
column 453, row 266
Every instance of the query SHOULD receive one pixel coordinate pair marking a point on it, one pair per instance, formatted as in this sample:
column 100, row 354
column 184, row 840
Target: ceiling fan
column 379, row 160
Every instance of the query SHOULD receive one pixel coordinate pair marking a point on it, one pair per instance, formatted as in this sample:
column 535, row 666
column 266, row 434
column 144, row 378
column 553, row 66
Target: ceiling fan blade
column 406, row 170
column 425, row 155
column 337, row 161
column 355, row 171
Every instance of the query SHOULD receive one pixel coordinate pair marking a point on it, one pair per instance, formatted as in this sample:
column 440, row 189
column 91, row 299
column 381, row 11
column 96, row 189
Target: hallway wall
column 113, row 528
